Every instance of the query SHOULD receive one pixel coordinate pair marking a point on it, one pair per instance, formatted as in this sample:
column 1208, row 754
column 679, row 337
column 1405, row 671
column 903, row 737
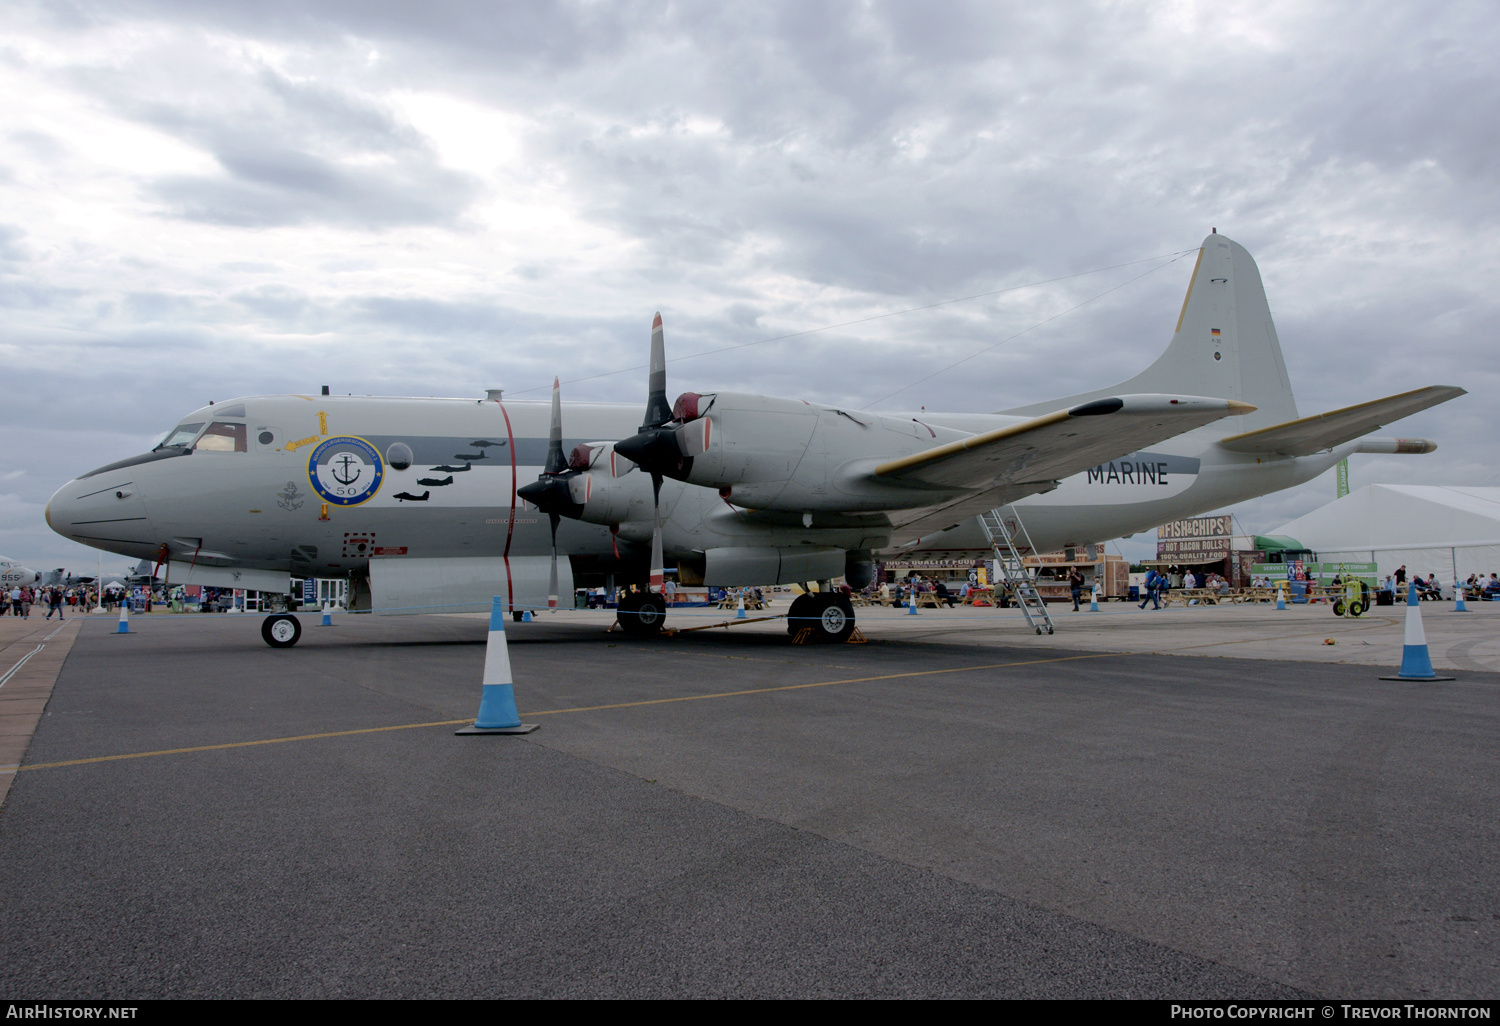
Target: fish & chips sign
column 1197, row 540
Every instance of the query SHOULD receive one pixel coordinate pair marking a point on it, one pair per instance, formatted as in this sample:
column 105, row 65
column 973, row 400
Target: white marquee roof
column 1401, row 516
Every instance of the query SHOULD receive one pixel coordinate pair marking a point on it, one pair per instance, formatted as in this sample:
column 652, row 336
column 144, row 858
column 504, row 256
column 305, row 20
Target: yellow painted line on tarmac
column 821, row 684
column 231, row 744
column 550, row 712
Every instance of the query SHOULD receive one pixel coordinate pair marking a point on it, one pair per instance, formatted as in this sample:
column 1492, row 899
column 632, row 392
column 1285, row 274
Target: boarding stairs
column 1020, row 580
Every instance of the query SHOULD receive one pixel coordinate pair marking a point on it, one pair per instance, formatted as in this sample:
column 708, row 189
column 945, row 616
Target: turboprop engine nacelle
column 788, row 454
column 608, row 489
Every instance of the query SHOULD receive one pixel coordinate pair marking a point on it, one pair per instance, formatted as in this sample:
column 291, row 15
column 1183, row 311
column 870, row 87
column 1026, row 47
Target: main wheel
column 835, row 620
column 281, row 631
column 1338, row 608
column 642, row 614
column 830, row 616
column 804, row 609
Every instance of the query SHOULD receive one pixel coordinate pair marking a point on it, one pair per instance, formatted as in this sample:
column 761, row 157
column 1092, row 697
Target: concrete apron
column 32, row 652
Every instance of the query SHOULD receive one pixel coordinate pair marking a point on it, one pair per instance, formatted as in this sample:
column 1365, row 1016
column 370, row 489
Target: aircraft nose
column 101, row 510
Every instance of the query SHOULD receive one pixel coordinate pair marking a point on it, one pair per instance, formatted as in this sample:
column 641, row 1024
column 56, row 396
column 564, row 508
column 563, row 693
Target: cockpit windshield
column 222, row 436
column 181, row 435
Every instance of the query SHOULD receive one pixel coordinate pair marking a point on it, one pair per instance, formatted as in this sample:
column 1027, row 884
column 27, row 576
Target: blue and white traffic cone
column 1094, row 600
column 526, row 616
column 497, row 702
column 911, row 604
column 124, row 627
column 1280, row 596
column 1416, row 664
column 1458, row 604
column 739, row 613
column 327, row 615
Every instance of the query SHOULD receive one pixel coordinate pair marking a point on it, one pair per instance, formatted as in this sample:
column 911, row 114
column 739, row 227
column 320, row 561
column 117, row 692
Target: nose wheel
column 281, row 631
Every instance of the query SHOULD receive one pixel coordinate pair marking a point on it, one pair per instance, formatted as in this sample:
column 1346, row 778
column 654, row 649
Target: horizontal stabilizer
column 1315, row 434
column 1012, row 462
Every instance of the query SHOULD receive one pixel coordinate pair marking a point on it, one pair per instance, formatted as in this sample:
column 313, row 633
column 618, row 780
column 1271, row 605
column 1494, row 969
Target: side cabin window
column 222, row 436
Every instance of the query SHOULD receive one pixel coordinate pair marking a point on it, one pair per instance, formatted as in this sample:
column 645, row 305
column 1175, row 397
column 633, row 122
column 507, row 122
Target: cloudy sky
column 209, row 199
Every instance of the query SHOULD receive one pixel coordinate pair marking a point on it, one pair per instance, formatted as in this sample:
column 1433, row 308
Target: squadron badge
column 345, row 471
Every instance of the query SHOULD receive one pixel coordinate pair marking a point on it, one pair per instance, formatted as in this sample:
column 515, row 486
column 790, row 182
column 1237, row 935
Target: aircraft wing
column 1315, row 434
column 1023, row 459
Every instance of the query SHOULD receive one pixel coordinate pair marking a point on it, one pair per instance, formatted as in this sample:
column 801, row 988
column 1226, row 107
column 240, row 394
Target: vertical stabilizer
column 1224, row 344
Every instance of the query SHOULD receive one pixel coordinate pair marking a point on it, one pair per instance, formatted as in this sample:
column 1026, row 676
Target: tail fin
column 1224, row 345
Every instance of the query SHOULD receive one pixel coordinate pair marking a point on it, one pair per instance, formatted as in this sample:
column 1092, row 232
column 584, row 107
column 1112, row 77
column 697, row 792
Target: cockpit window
column 181, row 435
column 222, row 436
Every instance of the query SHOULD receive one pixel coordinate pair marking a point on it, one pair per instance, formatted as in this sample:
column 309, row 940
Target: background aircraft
column 13, row 574
column 438, row 504
column 62, row 577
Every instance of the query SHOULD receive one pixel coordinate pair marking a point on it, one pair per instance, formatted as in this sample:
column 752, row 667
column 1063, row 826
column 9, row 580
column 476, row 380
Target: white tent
column 1452, row 531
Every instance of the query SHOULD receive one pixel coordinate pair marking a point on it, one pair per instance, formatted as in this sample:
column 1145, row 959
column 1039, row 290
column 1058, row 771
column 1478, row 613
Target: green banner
column 1316, row 571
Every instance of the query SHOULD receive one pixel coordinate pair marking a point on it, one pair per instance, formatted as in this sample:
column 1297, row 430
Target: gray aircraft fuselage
column 261, row 507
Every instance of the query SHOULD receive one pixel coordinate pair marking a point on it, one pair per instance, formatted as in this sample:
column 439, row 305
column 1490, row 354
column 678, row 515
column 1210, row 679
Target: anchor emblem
column 288, row 498
column 343, row 462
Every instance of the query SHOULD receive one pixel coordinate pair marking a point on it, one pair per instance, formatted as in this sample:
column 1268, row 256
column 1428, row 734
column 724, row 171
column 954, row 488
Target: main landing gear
column 281, row 631
column 831, row 617
column 641, row 614
column 819, row 618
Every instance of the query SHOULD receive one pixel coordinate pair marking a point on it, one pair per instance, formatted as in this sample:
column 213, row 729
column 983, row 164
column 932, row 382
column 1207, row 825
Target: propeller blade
column 658, row 581
column 655, row 448
column 556, row 461
column 552, row 581
column 658, row 410
column 552, row 491
column 658, row 571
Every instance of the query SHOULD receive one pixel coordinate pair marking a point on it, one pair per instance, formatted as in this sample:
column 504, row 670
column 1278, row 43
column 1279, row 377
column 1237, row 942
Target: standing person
column 1075, row 585
column 54, row 604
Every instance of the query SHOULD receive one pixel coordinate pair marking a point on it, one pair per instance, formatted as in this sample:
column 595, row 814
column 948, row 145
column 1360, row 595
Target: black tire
column 281, row 631
column 831, row 618
column 804, row 610
column 642, row 614
column 1338, row 608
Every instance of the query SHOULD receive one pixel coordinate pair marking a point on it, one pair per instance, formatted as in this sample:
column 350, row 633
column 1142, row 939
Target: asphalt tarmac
column 723, row 814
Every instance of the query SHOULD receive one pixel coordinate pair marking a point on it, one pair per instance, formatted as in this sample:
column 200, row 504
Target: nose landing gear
column 281, row 631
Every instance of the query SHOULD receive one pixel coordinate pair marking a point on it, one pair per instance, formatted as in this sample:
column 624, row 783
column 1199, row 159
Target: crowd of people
column 61, row 601
column 1159, row 583
column 1477, row 587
